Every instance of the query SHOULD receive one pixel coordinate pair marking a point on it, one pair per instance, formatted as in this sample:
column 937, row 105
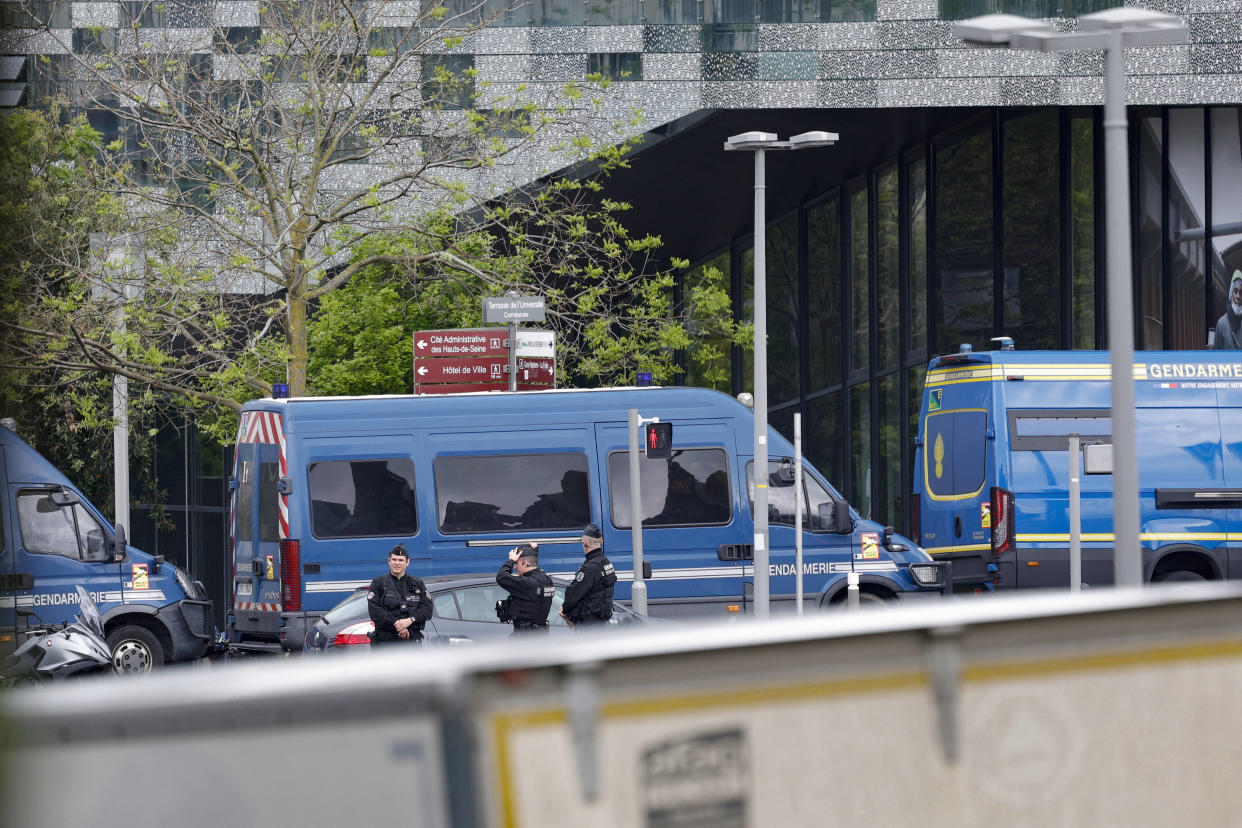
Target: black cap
column 399, row 549
column 529, row 550
column 592, row 531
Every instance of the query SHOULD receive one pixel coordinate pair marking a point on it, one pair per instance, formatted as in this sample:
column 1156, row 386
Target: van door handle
column 957, row 526
column 455, row 640
column 726, row 552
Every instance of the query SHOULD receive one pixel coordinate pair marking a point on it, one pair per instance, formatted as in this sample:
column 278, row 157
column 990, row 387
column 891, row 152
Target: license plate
column 244, row 588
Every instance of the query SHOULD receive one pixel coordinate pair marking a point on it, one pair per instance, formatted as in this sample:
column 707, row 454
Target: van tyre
column 135, row 650
column 1179, row 575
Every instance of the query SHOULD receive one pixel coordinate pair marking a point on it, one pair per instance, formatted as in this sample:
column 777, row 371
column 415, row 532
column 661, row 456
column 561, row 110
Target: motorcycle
column 57, row 651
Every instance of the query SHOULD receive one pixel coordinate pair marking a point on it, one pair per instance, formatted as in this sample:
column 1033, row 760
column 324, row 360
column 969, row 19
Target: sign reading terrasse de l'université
column 511, row 309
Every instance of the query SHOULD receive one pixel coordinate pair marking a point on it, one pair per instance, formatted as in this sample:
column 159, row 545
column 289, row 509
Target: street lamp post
column 758, row 143
column 1112, row 31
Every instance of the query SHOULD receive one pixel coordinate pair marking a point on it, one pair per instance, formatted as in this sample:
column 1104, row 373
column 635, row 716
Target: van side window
column 1049, row 430
column 512, row 492
column 361, row 498
column 781, row 506
column 691, row 488
column 68, row 531
column 955, row 450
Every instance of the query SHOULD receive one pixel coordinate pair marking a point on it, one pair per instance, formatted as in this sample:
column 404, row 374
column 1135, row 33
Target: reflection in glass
column 887, row 268
column 1082, row 226
column 964, row 240
column 1226, row 172
column 689, row 489
column 503, row 493
column 917, row 174
column 823, row 435
column 1186, row 273
column 1149, row 298
column 748, row 314
column 860, row 281
column 783, row 311
column 888, row 506
column 1031, row 221
column 710, row 359
column 860, row 448
column 915, row 377
column 824, row 276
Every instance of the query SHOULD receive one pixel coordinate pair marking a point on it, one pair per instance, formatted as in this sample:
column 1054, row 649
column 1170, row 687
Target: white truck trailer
column 1115, row 707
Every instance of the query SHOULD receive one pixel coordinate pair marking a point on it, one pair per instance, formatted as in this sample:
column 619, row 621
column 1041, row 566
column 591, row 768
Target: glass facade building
column 994, row 228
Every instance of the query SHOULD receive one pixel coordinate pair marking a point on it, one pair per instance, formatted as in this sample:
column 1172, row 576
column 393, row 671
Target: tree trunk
column 299, row 355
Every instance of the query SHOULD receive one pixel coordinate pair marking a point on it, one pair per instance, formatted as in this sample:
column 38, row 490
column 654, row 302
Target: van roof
column 655, row 401
column 1032, row 358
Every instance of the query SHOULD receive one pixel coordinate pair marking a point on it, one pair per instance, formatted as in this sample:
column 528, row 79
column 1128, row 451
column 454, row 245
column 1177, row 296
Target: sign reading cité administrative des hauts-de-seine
column 477, row 359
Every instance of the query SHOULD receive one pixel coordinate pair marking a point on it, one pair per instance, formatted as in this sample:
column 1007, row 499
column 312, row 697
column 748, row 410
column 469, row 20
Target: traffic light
column 659, row 440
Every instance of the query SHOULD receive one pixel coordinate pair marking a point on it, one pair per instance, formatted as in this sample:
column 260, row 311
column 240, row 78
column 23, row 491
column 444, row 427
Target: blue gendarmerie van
column 324, row 487
column 56, row 540
column 991, row 469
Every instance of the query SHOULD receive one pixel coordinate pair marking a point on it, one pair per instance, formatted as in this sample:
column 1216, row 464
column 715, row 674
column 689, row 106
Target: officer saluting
column 530, row 590
column 588, row 600
column 398, row 603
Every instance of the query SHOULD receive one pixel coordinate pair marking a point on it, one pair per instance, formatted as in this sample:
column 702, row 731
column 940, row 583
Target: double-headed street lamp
column 1111, row 31
column 758, row 142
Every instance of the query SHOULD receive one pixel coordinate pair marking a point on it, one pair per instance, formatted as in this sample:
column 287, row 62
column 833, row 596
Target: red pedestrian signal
column 659, row 440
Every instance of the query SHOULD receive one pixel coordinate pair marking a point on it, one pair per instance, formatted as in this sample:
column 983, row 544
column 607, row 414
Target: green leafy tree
column 335, row 145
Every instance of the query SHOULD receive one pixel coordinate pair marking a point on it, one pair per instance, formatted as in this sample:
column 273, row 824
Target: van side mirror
column 119, row 544
column 785, row 472
column 841, row 522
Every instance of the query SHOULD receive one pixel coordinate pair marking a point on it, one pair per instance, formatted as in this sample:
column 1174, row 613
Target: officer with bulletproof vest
column 530, row 590
column 588, row 600
column 398, row 603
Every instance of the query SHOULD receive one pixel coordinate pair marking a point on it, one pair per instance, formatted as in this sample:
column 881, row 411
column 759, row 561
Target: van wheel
column 135, row 651
column 1178, row 575
column 866, row 599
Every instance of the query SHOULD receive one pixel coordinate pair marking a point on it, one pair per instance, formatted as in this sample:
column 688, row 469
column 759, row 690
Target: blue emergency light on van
column 324, row 487
column 56, row 540
column 991, row 489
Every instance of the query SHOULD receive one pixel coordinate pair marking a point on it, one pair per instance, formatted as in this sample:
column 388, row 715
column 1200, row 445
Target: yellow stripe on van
column 1064, row 537
column 945, row 550
column 1050, row 372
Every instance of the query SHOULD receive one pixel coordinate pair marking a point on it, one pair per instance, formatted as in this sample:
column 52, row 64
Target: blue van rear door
column 955, row 479
column 257, row 528
column 690, row 508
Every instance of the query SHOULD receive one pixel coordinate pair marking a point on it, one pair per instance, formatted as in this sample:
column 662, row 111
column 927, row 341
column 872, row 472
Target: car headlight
column 926, row 574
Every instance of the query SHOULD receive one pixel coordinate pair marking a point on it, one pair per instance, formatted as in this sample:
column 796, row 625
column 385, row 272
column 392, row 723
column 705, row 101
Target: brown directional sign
column 541, row 370
column 463, row 387
column 461, row 369
column 463, row 342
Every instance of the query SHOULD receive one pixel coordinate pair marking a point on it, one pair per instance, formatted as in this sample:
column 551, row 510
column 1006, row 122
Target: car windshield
column 347, row 608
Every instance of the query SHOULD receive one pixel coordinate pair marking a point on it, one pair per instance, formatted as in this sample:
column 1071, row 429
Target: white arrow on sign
column 422, row 370
column 422, row 343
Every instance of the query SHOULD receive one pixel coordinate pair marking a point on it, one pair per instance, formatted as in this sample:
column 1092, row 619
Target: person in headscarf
column 1229, row 328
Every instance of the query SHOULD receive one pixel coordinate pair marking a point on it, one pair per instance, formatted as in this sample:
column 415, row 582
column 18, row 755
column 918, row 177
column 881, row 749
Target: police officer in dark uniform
column 398, row 603
column 530, row 590
column 588, row 600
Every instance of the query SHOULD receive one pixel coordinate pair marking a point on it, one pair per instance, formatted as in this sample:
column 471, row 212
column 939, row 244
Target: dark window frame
column 523, row 456
column 1054, row 442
